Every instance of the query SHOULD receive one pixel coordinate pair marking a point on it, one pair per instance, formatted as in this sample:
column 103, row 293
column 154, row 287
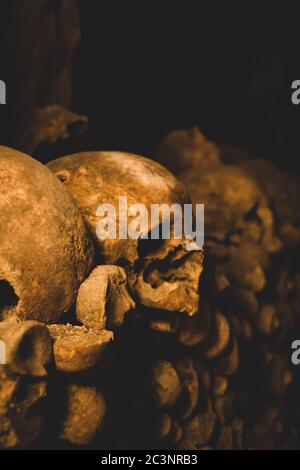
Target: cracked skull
column 152, row 266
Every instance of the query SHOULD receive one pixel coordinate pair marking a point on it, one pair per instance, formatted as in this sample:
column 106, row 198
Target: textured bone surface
column 28, row 346
column 194, row 330
column 200, row 427
column 189, row 379
column 165, row 384
column 102, row 177
column 76, row 348
column 103, row 299
column 45, row 251
column 94, row 178
column 222, row 336
column 22, row 410
column 250, row 192
column 85, row 414
column 51, row 124
column 196, row 365
column 174, row 289
column 183, row 150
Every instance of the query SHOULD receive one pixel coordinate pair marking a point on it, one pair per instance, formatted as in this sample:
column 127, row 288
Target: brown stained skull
column 45, row 251
column 94, row 178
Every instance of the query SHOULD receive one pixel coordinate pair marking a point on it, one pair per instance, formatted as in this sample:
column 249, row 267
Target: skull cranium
column 95, row 178
column 45, row 251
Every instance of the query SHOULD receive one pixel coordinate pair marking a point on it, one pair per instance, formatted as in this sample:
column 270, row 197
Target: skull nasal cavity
column 8, row 297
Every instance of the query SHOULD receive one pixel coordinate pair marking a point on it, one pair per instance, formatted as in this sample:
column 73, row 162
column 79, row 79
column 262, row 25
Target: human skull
column 45, row 250
column 95, row 178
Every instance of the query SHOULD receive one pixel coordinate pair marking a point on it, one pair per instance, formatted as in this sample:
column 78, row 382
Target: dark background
column 140, row 76
column 140, row 72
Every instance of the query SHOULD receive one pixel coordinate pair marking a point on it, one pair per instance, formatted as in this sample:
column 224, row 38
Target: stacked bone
column 252, row 238
column 176, row 386
column 175, row 353
column 45, row 254
column 171, row 376
column 23, row 381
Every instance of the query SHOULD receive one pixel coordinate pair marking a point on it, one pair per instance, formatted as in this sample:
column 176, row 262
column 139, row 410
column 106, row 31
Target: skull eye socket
column 8, row 297
column 150, row 246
